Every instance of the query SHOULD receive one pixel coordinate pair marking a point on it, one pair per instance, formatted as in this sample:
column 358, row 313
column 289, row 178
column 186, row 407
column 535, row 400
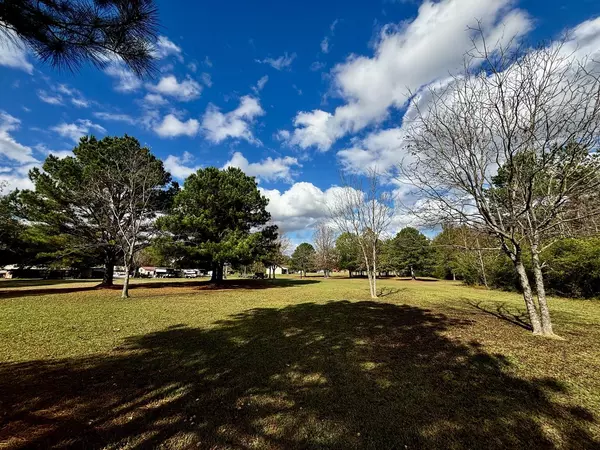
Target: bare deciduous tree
column 324, row 239
column 131, row 187
column 509, row 149
column 366, row 213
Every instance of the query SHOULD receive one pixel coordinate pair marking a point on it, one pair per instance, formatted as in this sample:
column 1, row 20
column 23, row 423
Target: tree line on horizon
column 459, row 253
column 113, row 198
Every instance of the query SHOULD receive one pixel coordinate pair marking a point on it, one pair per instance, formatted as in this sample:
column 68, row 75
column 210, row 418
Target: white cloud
column 283, row 62
column 325, row 44
column 80, row 102
column 127, row 81
column 185, row 91
column 235, row 124
column 165, row 47
column 206, row 79
column 9, row 147
column 49, row 98
column 207, row 62
column 381, row 150
column 60, row 91
column 312, row 130
column 42, row 148
column 268, row 169
column 192, row 67
column 178, row 165
column 16, row 177
column 300, row 206
column 405, row 58
column 282, row 135
column 155, row 99
column 171, row 126
column 13, row 52
column 317, row 65
column 115, row 117
column 77, row 129
column 260, row 84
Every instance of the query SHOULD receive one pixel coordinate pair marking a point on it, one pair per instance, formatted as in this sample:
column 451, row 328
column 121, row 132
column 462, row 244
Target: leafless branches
column 509, row 149
column 363, row 210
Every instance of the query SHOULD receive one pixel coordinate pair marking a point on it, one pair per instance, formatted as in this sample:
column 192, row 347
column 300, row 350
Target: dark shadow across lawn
column 201, row 285
column 29, row 282
column 331, row 376
column 501, row 311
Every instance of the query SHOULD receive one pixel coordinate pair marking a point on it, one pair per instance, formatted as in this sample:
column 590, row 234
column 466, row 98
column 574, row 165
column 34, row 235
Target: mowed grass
column 293, row 363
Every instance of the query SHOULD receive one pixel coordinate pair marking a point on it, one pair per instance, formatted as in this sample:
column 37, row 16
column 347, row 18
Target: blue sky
column 292, row 93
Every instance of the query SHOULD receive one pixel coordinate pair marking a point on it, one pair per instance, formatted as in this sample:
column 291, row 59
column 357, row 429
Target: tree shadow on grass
column 200, row 285
column 335, row 376
column 500, row 311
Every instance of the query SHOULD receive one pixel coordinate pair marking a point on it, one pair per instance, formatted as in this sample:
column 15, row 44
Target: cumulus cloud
column 299, row 207
column 179, row 166
column 405, row 58
column 126, row 80
column 381, row 150
column 77, row 129
column 283, row 62
column 13, row 52
column 184, row 91
column 16, row 177
column 165, row 47
column 171, row 126
column 268, row 169
column 154, row 99
column 236, row 124
column 9, row 147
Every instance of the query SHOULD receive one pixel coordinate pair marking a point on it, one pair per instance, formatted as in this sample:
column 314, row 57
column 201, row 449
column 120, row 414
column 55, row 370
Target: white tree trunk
column 125, row 291
column 534, row 317
column 546, row 322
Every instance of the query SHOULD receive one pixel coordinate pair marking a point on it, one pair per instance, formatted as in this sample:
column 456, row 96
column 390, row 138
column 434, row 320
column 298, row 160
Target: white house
column 279, row 270
column 147, row 271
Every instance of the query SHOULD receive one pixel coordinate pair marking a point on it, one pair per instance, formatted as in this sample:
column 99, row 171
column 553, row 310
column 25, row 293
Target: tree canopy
column 348, row 253
column 83, row 198
column 410, row 252
column 303, row 258
column 220, row 217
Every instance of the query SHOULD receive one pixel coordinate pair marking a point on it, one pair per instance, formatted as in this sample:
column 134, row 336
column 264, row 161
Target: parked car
column 190, row 273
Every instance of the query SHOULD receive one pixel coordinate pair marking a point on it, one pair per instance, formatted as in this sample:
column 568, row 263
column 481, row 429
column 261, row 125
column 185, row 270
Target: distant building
column 157, row 272
column 279, row 270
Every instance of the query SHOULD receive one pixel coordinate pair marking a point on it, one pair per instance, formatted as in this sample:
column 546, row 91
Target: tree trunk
column 374, row 293
column 109, row 269
column 453, row 276
column 483, row 275
column 217, row 273
column 534, row 317
column 125, row 292
column 541, row 292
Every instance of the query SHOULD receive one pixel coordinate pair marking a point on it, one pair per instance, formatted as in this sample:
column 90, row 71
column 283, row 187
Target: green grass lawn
column 293, row 363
